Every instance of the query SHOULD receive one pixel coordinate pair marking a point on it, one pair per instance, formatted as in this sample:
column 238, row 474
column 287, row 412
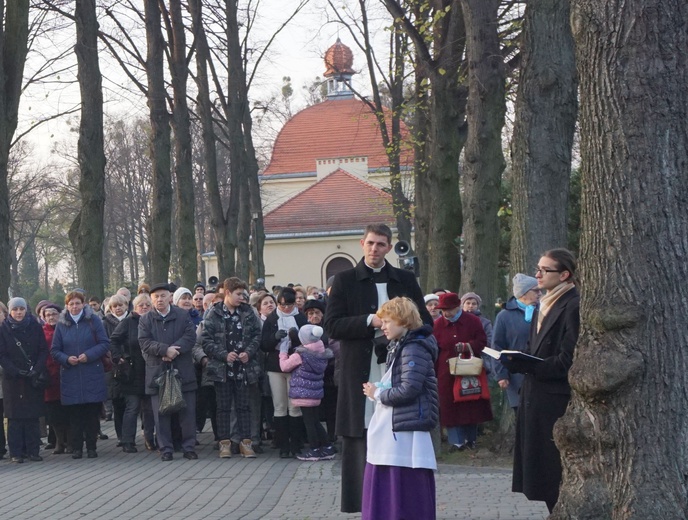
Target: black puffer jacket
column 124, row 343
column 414, row 383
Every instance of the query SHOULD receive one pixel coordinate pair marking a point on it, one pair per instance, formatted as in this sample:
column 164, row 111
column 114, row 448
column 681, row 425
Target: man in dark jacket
column 356, row 296
column 167, row 335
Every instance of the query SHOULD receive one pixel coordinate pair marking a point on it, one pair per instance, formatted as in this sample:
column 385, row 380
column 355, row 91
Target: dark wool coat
column 511, row 332
column 157, row 334
column 467, row 329
column 544, row 396
column 213, row 339
column 21, row 400
column 270, row 344
column 124, row 343
column 83, row 382
column 52, row 392
column 352, row 299
column 414, row 384
column 110, row 322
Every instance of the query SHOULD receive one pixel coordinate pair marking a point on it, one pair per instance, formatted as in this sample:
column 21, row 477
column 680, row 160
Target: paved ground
column 139, row 486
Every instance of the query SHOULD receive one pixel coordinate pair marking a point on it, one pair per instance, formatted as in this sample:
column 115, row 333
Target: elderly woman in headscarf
column 23, row 352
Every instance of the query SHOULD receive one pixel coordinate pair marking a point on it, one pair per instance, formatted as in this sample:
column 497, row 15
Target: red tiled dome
column 332, row 129
column 338, row 60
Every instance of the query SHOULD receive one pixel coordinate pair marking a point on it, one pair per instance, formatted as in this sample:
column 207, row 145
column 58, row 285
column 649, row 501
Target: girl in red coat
column 455, row 326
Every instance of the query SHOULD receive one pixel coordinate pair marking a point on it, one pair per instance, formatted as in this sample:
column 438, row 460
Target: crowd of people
column 367, row 356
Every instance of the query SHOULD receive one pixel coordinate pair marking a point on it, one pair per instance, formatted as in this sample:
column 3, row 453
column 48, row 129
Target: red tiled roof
column 339, row 202
column 331, row 129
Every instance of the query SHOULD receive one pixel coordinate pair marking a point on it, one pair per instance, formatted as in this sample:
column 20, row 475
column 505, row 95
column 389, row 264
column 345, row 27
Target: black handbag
column 38, row 380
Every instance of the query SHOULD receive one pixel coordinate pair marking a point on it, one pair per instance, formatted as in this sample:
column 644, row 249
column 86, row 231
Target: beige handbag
column 459, row 366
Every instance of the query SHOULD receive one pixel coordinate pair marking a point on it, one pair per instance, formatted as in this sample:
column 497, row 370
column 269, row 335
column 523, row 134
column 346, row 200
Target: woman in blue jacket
column 399, row 480
column 79, row 344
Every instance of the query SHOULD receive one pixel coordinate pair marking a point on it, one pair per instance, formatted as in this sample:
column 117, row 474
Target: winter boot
column 296, row 428
column 281, row 425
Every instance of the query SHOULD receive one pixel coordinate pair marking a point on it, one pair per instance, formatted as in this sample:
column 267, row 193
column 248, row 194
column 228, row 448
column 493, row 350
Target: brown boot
column 226, row 449
column 246, row 449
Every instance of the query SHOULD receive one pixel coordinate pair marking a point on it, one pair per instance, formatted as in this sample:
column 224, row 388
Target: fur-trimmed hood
column 66, row 320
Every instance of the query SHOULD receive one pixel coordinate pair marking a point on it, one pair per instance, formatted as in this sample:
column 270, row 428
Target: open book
column 510, row 354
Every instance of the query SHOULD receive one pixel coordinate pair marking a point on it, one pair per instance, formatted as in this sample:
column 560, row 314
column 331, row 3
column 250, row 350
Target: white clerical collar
column 374, row 269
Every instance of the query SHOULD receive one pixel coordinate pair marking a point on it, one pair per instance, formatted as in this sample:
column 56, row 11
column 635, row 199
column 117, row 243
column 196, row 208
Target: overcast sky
column 297, row 52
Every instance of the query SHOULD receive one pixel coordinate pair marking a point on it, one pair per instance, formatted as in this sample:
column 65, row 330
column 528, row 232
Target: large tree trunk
column 483, row 157
column 87, row 231
column 14, row 33
column 159, row 226
column 623, row 437
column 438, row 202
column 179, row 71
column 546, row 107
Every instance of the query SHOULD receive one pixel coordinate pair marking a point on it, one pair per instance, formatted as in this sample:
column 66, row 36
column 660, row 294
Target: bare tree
column 483, row 157
column 13, row 39
column 546, row 109
column 622, row 437
column 86, row 232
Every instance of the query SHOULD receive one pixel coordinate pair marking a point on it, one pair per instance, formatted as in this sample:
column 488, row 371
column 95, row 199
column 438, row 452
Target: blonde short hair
column 117, row 299
column 143, row 297
column 402, row 311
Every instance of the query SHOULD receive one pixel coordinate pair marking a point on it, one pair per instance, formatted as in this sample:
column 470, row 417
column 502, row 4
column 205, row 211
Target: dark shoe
column 234, row 448
column 285, row 454
column 470, row 445
column 59, row 450
column 69, row 451
column 49, row 446
column 166, row 457
column 151, row 446
column 17, row 460
column 35, row 458
column 91, row 454
column 190, row 455
column 102, row 436
column 129, row 448
column 456, row 447
column 258, row 449
column 77, row 454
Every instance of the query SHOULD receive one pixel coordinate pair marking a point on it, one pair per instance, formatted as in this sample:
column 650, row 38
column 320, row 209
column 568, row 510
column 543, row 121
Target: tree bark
column 14, row 33
column 545, row 119
column 622, row 439
column 438, row 207
column 483, row 156
column 87, row 231
column 185, row 203
column 159, row 225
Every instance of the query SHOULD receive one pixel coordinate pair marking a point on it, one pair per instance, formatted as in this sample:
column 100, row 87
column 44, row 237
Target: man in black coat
column 167, row 335
column 356, row 296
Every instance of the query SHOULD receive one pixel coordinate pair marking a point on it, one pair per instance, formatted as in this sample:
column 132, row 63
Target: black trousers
column 353, row 467
column 24, row 437
column 317, row 436
column 84, row 421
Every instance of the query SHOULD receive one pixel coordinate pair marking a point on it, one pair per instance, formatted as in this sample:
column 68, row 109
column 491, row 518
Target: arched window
column 337, row 265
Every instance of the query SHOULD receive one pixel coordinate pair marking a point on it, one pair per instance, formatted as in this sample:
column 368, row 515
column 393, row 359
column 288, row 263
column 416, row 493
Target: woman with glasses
column 282, row 326
column 546, row 392
column 511, row 331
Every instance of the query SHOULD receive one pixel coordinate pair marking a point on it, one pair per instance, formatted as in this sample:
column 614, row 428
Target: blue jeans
column 460, row 435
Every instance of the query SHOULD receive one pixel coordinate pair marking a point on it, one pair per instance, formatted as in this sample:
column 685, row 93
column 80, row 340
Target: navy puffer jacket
column 414, row 383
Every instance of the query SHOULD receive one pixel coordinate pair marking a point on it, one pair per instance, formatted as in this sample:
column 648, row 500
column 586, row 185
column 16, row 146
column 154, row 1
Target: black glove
column 294, row 336
column 280, row 335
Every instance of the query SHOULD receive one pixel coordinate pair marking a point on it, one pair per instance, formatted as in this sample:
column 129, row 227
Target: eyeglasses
column 285, row 305
column 544, row 270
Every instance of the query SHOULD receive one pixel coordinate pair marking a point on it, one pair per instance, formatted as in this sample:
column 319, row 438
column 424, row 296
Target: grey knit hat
column 309, row 334
column 470, row 295
column 523, row 283
column 16, row 302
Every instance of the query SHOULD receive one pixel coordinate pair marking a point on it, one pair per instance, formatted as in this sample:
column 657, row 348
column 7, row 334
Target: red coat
column 52, row 392
column 467, row 329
